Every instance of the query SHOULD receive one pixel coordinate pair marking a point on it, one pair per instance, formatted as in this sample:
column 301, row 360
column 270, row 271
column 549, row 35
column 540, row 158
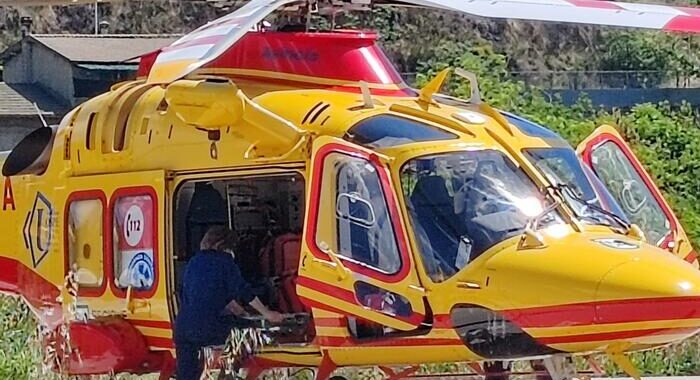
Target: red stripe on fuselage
column 331, row 322
column 16, row 278
column 338, row 341
column 616, row 335
column 152, row 324
column 155, row 341
column 605, row 312
column 346, row 296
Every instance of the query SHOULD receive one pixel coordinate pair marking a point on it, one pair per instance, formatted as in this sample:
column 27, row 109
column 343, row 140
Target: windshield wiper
column 566, row 191
column 534, row 222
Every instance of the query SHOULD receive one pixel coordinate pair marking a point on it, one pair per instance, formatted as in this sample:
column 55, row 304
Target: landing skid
column 551, row 368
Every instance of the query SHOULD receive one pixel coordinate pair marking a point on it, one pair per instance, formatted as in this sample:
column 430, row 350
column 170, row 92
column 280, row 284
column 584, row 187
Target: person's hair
column 218, row 238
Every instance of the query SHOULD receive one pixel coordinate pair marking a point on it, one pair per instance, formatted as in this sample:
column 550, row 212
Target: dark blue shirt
column 212, row 279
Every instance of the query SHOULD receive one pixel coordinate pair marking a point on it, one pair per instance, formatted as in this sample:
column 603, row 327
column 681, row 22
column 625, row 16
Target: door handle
column 134, row 304
column 336, row 262
column 469, row 285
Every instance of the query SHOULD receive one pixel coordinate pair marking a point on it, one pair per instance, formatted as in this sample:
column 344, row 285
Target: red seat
column 280, row 258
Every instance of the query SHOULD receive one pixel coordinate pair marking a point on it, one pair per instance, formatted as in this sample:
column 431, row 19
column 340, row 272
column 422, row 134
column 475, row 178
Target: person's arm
column 241, row 291
column 270, row 315
column 236, row 309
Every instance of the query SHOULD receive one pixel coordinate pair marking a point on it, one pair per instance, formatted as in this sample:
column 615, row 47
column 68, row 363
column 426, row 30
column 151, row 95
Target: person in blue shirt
column 212, row 290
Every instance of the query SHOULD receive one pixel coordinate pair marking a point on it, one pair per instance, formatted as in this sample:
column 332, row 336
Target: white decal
column 134, row 225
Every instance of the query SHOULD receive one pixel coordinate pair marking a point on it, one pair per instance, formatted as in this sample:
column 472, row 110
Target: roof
column 103, row 48
column 18, row 100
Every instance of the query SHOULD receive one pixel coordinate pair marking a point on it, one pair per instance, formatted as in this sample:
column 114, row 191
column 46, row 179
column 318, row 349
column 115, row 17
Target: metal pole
column 97, row 16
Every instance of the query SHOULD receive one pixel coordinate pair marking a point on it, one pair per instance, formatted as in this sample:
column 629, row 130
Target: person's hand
column 274, row 317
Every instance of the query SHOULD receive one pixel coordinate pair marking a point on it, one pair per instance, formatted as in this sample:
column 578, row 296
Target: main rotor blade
column 22, row 3
column 596, row 12
column 209, row 41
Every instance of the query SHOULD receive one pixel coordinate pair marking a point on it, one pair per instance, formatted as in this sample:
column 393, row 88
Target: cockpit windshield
column 463, row 203
column 589, row 199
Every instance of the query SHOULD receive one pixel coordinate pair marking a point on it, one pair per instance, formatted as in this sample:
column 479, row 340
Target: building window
column 85, row 242
column 354, row 218
column 134, row 242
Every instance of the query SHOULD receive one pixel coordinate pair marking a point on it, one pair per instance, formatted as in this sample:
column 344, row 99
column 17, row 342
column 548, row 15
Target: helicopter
column 403, row 226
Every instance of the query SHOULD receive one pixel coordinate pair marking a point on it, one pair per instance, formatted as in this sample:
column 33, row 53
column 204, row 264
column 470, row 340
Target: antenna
column 41, row 116
column 366, row 95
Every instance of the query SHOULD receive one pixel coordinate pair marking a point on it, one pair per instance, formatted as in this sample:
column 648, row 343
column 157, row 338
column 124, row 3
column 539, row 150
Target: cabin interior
column 266, row 213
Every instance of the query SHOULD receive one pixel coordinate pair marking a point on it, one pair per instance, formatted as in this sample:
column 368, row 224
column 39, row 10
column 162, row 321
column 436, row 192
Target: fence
column 599, row 80
column 585, row 80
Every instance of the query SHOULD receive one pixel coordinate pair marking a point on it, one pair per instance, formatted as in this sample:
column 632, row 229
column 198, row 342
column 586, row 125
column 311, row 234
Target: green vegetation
column 19, row 349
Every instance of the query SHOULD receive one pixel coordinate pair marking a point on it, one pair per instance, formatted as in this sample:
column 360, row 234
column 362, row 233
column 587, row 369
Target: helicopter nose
column 652, row 302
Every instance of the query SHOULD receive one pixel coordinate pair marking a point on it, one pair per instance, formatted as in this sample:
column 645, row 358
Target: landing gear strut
column 560, row 367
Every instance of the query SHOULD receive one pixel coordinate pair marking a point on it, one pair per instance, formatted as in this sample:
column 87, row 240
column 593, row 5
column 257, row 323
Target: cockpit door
column 612, row 160
column 355, row 257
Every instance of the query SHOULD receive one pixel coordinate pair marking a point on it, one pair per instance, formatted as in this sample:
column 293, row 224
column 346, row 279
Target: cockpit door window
column 612, row 160
column 363, row 233
column 355, row 256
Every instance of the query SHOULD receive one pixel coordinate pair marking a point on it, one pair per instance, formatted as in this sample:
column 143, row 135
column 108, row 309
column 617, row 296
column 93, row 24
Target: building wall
column 36, row 64
column 53, row 72
column 18, row 69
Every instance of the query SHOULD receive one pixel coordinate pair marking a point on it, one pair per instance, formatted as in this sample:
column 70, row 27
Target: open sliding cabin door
column 355, row 258
column 613, row 161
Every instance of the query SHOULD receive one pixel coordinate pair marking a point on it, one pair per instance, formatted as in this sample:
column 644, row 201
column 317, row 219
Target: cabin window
column 134, row 242
column 85, row 241
column 353, row 217
column 627, row 186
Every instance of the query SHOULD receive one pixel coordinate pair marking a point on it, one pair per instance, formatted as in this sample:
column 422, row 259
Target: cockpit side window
column 387, row 130
column 359, row 228
column 463, row 203
column 625, row 183
column 587, row 195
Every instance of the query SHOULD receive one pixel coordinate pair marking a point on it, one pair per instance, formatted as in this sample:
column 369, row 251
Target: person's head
column 218, row 238
column 462, row 167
